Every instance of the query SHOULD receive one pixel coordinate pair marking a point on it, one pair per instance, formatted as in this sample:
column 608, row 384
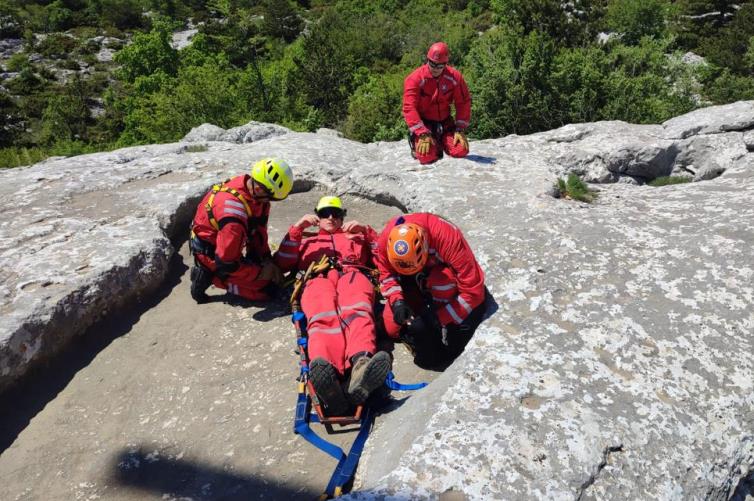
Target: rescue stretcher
column 363, row 415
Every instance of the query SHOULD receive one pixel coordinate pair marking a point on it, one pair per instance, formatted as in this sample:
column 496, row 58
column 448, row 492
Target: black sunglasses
column 436, row 66
column 331, row 211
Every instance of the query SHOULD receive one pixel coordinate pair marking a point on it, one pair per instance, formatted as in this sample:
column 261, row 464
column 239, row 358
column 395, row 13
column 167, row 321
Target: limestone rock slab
column 616, row 359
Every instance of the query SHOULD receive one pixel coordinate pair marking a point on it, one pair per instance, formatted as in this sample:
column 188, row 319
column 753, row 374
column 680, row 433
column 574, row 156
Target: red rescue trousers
column 340, row 317
column 441, row 285
column 242, row 282
column 446, row 144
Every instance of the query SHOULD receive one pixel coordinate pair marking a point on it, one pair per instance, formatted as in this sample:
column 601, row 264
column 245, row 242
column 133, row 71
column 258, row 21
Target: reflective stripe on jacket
column 447, row 245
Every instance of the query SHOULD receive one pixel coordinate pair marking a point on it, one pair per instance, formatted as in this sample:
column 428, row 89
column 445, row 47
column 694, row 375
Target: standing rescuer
column 338, row 304
column 428, row 93
column 229, row 233
column 433, row 284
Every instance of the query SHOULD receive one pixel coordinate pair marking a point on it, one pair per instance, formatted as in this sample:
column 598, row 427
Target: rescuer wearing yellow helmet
column 229, row 233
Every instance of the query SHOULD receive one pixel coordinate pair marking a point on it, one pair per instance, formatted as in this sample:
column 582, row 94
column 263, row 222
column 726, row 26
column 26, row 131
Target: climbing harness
column 363, row 414
column 223, row 188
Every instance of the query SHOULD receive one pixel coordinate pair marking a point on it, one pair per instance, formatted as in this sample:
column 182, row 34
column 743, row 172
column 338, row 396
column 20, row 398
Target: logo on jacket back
column 400, row 247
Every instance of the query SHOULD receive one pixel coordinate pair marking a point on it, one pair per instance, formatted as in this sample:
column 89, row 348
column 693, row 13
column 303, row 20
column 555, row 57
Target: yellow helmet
column 334, row 204
column 275, row 175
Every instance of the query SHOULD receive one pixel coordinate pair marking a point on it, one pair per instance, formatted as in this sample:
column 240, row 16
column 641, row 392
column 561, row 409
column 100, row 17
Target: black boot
column 326, row 384
column 201, row 279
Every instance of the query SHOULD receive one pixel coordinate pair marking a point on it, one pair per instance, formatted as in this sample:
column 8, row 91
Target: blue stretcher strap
column 347, row 466
column 296, row 316
column 301, row 427
column 394, row 385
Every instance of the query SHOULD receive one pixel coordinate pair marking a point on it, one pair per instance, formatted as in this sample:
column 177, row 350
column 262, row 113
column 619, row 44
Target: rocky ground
column 175, row 401
column 615, row 362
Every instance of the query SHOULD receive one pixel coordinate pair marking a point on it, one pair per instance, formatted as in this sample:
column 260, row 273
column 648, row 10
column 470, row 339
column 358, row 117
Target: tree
column 578, row 83
column 702, row 19
column 332, row 52
column 728, row 49
column 635, row 19
column 572, row 23
column 281, row 20
column 640, row 88
column 508, row 75
column 374, row 109
column 66, row 116
column 148, row 53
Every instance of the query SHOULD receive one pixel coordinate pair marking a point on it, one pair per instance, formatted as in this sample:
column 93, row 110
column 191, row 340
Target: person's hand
column 353, row 227
column 306, row 221
column 402, row 313
column 460, row 137
column 425, row 142
column 271, row 272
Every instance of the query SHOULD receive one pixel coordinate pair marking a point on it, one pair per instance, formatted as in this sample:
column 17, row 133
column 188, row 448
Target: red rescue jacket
column 429, row 98
column 447, row 245
column 238, row 229
column 348, row 248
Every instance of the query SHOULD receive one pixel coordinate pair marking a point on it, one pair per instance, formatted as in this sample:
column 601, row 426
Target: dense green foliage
column 531, row 65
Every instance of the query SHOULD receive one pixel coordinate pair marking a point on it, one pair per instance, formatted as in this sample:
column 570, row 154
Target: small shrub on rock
column 576, row 189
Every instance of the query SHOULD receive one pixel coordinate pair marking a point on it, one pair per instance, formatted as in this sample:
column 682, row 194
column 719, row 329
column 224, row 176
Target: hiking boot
column 368, row 374
column 201, row 279
column 326, row 384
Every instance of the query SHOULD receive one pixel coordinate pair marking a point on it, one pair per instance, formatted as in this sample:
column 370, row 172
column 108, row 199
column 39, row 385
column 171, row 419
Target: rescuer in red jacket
column 433, row 284
column 428, row 93
column 232, row 218
column 338, row 304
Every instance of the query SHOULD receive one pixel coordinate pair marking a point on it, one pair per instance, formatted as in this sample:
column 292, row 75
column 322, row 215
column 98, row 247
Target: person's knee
column 458, row 153
column 429, row 158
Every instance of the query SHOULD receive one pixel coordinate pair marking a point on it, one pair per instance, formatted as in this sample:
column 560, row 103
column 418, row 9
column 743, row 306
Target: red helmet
column 438, row 53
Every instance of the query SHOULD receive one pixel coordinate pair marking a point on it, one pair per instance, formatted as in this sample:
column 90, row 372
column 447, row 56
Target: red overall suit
column 426, row 108
column 452, row 279
column 221, row 250
column 339, row 306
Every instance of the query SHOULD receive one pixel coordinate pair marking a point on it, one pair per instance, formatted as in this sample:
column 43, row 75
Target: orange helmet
column 407, row 248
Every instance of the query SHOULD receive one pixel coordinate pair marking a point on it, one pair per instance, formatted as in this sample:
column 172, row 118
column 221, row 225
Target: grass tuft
column 196, row 148
column 576, row 189
column 668, row 180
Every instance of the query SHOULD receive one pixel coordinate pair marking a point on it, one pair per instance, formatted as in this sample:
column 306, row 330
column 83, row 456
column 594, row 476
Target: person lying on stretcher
column 345, row 365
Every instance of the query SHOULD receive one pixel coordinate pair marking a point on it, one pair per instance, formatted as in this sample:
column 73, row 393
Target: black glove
column 431, row 320
column 424, row 326
column 402, row 312
column 224, row 269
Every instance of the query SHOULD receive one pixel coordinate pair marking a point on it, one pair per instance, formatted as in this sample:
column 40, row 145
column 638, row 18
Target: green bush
column 57, row 45
column 15, row 157
column 374, row 110
column 17, row 62
column 148, row 53
column 65, row 117
column 281, row 20
column 640, row 87
column 508, row 75
column 636, row 19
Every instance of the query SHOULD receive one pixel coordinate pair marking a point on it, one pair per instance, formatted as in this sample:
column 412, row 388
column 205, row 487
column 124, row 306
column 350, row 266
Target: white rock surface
column 616, row 362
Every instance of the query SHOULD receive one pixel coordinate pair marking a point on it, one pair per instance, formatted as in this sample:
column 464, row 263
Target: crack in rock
column 606, row 453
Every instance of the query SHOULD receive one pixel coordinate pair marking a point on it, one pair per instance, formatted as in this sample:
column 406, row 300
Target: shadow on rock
column 36, row 389
column 190, row 479
column 440, row 357
column 480, row 159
